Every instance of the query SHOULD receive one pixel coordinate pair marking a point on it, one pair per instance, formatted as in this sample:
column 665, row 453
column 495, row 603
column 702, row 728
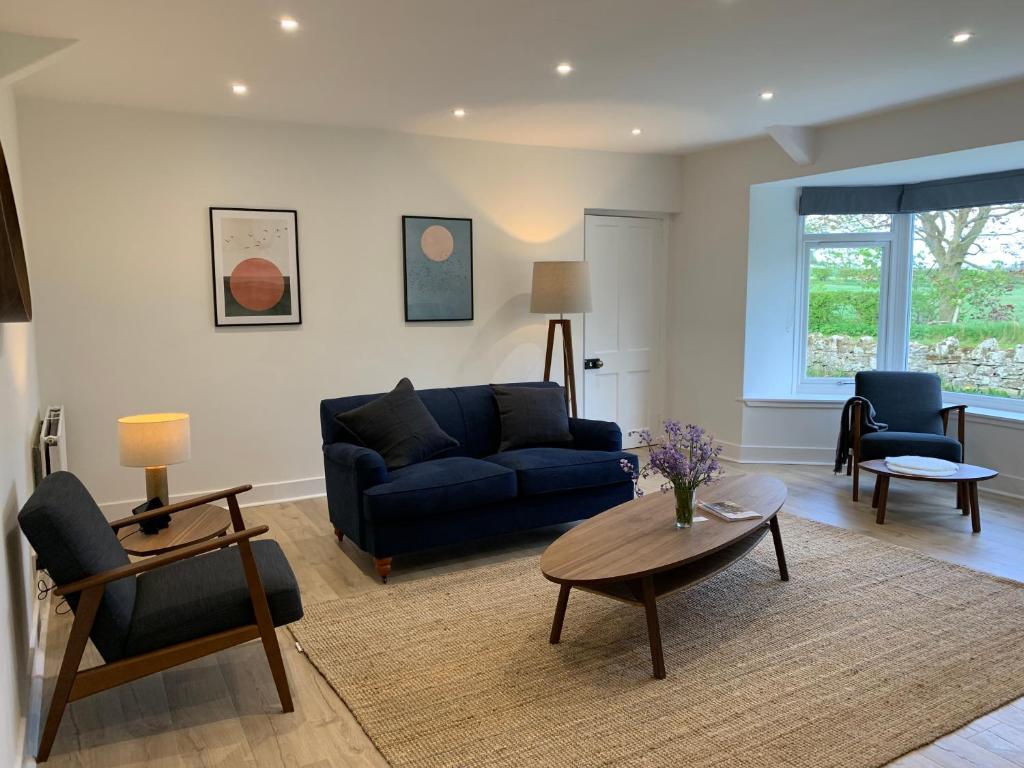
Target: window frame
column 896, row 282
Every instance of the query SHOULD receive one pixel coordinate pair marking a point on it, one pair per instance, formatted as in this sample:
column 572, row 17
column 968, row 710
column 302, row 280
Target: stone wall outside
column 983, row 367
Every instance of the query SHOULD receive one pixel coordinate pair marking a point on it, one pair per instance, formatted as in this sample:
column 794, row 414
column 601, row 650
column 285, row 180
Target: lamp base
column 569, row 367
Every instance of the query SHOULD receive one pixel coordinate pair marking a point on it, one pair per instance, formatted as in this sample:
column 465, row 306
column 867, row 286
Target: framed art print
column 437, row 254
column 255, row 266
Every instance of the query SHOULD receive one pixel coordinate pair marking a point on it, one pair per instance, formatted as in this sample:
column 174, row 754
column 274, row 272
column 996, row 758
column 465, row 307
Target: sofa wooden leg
column 383, row 566
column 340, row 534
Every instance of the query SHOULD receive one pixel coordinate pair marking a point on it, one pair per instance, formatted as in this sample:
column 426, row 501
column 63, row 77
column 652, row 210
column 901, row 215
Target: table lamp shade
column 560, row 287
column 154, row 439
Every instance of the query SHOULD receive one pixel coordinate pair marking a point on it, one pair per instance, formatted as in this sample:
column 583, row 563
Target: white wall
column 118, row 217
column 19, row 410
column 710, row 259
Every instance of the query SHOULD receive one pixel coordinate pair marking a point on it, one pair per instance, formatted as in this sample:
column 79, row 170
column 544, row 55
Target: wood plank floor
column 223, row 710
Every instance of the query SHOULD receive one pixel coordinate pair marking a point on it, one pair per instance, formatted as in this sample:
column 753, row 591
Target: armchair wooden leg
column 383, row 566
column 849, row 465
column 88, row 604
column 261, row 609
column 856, row 481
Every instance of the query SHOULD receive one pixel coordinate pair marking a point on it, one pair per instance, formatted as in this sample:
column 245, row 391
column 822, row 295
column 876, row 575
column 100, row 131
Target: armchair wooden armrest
column 170, row 509
column 961, row 432
column 133, row 569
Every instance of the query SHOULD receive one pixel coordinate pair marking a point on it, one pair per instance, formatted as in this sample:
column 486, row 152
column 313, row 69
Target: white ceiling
column 688, row 72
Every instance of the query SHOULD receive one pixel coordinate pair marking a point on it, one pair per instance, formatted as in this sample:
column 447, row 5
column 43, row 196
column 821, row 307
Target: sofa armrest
column 592, row 435
column 348, row 471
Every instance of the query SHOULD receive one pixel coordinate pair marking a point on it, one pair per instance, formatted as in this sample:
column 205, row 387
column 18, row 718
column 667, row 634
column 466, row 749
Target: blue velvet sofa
column 471, row 491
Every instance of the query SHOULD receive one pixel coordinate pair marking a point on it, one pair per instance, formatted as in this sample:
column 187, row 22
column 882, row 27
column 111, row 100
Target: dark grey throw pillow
column 398, row 426
column 531, row 416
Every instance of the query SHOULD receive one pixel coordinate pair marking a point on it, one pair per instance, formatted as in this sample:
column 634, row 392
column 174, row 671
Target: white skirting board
column 261, row 493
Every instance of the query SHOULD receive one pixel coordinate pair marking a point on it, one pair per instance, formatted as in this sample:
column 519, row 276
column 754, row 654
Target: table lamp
column 154, row 440
column 561, row 287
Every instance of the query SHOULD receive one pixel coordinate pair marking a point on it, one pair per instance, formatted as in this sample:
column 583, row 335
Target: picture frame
column 437, row 268
column 255, row 266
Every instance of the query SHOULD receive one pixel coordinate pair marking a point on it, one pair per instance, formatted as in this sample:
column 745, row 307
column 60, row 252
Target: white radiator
column 53, row 444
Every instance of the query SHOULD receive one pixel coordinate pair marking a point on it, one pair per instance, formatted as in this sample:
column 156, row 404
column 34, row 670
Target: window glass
column 842, row 309
column 967, row 299
column 847, row 223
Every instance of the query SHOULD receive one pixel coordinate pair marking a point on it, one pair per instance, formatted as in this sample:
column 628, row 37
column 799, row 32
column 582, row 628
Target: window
column 939, row 291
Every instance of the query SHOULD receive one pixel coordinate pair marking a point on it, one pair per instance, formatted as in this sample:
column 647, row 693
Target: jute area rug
column 870, row 651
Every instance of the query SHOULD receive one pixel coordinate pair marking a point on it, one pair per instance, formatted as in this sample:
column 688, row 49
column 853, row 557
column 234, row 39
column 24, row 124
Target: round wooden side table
column 190, row 526
column 966, row 478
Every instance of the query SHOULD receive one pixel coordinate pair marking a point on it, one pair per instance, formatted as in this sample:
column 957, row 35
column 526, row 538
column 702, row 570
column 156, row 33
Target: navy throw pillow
column 531, row 416
column 398, row 426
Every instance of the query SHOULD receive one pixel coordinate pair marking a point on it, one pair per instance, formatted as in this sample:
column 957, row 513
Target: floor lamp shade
column 154, row 440
column 560, row 287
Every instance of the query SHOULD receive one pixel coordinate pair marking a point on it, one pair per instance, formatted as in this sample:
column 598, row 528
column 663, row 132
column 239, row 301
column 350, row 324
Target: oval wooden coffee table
column 635, row 553
column 966, row 478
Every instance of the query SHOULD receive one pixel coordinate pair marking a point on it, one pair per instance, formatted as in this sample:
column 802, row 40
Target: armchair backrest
column 74, row 540
column 906, row 401
column 469, row 414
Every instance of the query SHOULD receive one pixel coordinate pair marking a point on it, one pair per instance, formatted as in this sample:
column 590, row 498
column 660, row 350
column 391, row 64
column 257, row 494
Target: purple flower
column 686, row 457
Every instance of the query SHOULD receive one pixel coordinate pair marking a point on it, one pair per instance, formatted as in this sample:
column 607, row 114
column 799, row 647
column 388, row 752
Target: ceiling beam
column 799, row 142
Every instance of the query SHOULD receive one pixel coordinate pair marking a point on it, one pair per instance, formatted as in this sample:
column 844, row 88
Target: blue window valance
column 940, row 195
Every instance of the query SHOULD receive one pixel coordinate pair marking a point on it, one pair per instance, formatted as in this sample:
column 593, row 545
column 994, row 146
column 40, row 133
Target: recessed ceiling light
column 239, row 89
column 459, row 112
column 636, row 131
column 564, row 68
column 767, row 95
column 288, row 24
column 962, row 37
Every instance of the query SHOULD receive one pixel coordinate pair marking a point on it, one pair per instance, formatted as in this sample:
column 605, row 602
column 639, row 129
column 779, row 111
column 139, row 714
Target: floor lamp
column 561, row 287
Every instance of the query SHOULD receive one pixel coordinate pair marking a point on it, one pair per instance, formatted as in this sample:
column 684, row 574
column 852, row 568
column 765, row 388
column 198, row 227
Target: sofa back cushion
column 469, row 414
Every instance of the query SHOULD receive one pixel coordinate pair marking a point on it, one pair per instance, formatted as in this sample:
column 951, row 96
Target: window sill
column 977, row 414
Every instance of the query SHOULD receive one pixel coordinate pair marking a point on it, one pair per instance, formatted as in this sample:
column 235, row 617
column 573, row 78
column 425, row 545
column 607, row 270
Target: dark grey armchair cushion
column 74, row 540
column 906, row 401
column 207, row 594
column 883, row 445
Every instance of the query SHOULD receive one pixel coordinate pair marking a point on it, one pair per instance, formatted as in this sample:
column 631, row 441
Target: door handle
column 592, row 363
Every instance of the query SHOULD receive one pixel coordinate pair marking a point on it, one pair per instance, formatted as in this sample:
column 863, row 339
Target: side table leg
column 563, row 602
column 653, row 628
column 975, row 507
column 883, row 497
column 780, row 554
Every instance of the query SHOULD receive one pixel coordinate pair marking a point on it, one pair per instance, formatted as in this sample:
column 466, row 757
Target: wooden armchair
column 153, row 614
column 910, row 404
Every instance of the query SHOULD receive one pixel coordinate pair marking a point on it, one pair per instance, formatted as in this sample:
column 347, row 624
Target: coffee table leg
column 975, row 508
column 653, row 628
column 874, row 497
column 556, row 625
column 883, row 497
column 780, row 554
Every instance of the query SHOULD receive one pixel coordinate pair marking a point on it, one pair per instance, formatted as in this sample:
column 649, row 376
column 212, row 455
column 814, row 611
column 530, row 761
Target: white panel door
column 620, row 334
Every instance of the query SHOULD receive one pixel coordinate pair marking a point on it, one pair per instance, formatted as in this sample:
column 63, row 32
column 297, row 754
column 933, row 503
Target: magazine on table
column 729, row 510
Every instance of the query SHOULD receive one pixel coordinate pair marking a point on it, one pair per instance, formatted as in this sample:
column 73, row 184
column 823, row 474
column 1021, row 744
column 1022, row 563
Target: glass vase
column 685, row 501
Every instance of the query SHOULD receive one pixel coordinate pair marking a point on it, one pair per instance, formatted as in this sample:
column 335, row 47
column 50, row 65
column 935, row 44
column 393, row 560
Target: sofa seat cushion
column 548, row 470
column 881, row 445
column 206, row 594
column 436, row 487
